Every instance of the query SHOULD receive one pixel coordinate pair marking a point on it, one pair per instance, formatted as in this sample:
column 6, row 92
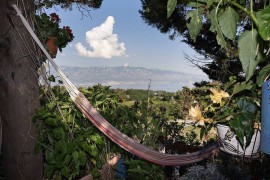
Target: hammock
column 110, row 131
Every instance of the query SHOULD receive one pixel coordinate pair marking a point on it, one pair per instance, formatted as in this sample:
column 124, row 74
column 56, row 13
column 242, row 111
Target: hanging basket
column 232, row 146
column 51, row 46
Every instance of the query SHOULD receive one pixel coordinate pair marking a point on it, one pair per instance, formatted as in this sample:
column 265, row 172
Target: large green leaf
column 243, row 121
column 264, row 23
column 241, row 87
column 171, row 7
column 213, row 21
column 246, row 106
column 195, row 24
column 215, row 27
column 228, row 23
column 220, row 39
column 238, row 129
column 213, row 18
column 248, row 52
column 263, row 75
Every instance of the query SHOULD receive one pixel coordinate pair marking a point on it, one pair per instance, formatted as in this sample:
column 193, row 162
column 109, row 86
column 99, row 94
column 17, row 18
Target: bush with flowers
column 48, row 26
column 234, row 104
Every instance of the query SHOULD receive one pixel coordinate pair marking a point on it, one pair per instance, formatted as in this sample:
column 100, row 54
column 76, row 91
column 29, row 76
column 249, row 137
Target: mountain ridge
column 127, row 77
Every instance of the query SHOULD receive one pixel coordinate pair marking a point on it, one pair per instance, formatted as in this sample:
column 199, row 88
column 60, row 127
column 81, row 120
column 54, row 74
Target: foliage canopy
column 218, row 30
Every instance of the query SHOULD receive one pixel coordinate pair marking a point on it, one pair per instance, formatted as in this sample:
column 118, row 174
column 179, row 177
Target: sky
column 116, row 35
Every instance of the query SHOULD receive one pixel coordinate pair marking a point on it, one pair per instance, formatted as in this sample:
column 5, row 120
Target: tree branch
column 249, row 13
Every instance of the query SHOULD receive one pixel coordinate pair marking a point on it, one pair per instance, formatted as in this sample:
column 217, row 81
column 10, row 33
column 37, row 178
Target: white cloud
column 102, row 41
column 126, row 65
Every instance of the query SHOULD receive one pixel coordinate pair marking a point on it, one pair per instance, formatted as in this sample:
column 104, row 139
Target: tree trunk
column 18, row 96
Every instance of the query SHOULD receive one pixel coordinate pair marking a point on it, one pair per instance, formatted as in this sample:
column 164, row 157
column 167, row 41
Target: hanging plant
column 50, row 32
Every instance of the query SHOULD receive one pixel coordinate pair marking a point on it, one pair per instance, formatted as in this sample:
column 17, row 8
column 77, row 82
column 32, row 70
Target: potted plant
column 50, row 32
column 235, row 113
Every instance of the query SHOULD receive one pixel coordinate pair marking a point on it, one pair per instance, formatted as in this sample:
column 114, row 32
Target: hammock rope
column 110, row 131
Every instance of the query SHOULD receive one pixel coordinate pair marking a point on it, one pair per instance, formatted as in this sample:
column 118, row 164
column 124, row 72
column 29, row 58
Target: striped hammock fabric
column 110, row 131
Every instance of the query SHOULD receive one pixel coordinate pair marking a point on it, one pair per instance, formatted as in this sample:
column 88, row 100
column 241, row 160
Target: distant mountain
column 131, row 77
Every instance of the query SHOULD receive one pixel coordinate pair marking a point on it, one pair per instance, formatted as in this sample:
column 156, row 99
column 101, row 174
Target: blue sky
column 142, row 45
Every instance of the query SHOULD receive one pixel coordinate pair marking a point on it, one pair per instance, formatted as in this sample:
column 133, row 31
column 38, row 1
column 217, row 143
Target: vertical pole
column 265, row 118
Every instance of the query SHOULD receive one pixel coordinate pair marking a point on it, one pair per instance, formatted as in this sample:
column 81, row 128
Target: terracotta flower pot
column 231, row 145
column 52, row 46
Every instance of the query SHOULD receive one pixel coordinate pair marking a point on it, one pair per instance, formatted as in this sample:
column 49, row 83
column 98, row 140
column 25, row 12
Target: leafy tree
column 241, row 24
column 218, row 62
column 19, row 96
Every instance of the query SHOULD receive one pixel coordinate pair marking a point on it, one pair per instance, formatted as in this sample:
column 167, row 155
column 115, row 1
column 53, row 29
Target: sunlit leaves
column 195, row 23
column 195, row 113
column 170, row 7
column 264, row 23
column 248, row 52
column 217, row 95
column 228, row 23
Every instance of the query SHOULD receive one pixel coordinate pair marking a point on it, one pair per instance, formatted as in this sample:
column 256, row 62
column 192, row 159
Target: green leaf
column 51, row 78
column 248, row 52
column 220, row 39
column 67, row 159
column 242, row 86
column 65, row 172
column 91, row 149
column 95, row 172
column 81, row 157
column 51, row 122
column 196, row 4
column 232, row 80
column 228, row 23
column 210, row 2
column 75, row 156
column 96, row 138
column 59, row 133
column 195, row 24
column 243, row 121
column 246, row 106
column 49, row 171
column 263, row 75
column 213, row 27
column 171, row 4
column 61, row 146
column 264, row 23
column 237, row 127
column 193, row 4
column 51, row 104
column 51, row 140
column 216, row 28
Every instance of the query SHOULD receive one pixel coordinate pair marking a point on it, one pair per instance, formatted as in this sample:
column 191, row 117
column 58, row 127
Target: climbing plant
column 72, row 147
column 244, row 23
